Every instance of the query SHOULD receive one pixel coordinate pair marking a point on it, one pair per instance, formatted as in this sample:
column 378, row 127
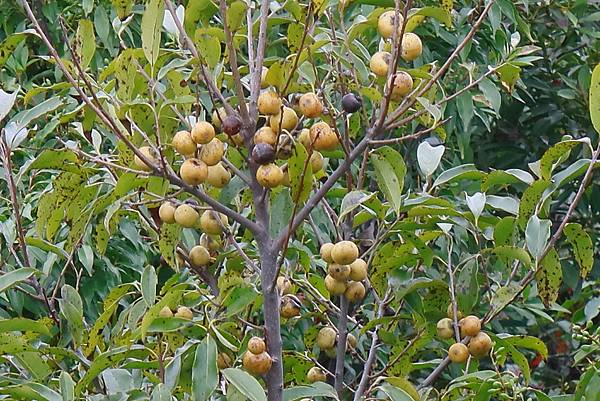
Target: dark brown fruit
column 231, row 125
column 351, row 103
column 263, row 153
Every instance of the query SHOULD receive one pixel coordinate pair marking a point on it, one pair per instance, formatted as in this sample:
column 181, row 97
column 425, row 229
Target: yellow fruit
column 315, row 374
column 326, row 338
column 203, row 132
column 387, row 22
column 183, row 143
column 334, row 286
column 209, row 223
column 480, row 345
column 218, row 176
column 310, row 105
column 322, row 137
column 325, row 252
column 411, row 46
column 269, row 175
column 147, row 152
column 339, row 272
column 288, row 121
column 284, row 285
column 185, row 313
column 380, row 63
column 165, row 312
column 269, row 103
column 316, row 161
column 444, row 328
column 223, row 360
column 289, row 307
column 344, row 252
column 186, row 216
column 263, row 78
column 212, row 152
column 355, row 291
column 218, row 115
column 286, row 178
column 358, row 270
column 257, row 364
column 266, row 135
column 403, row 84
column 469, row 326
column 166, row 212
column 450, row 312
column 193, row 171
column 256, row 345
column 199, row 256
column 458, row 353
column 351, row 340
column 304, row 137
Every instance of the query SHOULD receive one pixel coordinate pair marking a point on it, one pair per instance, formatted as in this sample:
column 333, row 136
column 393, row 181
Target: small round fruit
column 355, row 291
column 263, row 153
column 149, row 154
column 387, row 22
column 165, row 312
column 325, row 252
column 380, row 63
column 469, row 326
column 256, row 345
column 411, row 46
column 209, row 223
column 316, row 161
column 193, row 171
column 304, row 137
column 218, row 176
column 326, row 338
column 289, row 307
column 223, row 360
column 339, row 272
column 310, row 105
column 450, row 312
column 269, row 175
column 186, row 216
column 166, row 212
column 335, row 287
column 288, row 121
column 203, row 132
column 212, row 152
column 403, row 84
column 315, row 374
column 480, row 345
column 445, row 329
column 286, row 178
column 183, row 143
column 351, row 103
column 344, row 252
column 322, row 137
column 351, row 340
column 265, row 135
column 185, row 313
column 358, row 270
column 284, row 285
column 231, row 125
column 458, row 353
column 263, row 78
column 257, row 364
column 199, row 256
column 269, row 103
column 218, row 115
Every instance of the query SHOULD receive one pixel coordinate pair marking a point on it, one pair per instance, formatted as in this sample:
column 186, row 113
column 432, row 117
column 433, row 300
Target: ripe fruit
column 355, row 291
column 315, row 374
column 402, row 84
column 380, row 63
column 218, row 115
column 316, row 161
column 256, row 345
column 269, row 103
column 351, row 340
column 325, row 252
column 290, row 307
column 450, row 312
column 165, row 312
column 411, row 46
column 387, row 22
column 263, row 153
column 469, row 326
column 287, row 121
column 266, row 135
column 231, row 125
column 304, row 137
column 310, row 105
column 183, row 143
column 209, row 223
column 480, row 345
column 185, row 313
column 166, row 212
column 326, row 338
column 344, row 252
column 186, row 216
column 339, row 272
column 284, row 285
column 322, row 137
column 223, row 360
column 263, row 78
column 351, row 103
column 334, row 286
column 269, row 175
column 257, row 364
column 203, row 132
column 149, row 154
column 218, row 176
column 458, row 353
column 444, row 328
column 199, row 256
column 358, row 270
column 212, row 152
column 193, row 171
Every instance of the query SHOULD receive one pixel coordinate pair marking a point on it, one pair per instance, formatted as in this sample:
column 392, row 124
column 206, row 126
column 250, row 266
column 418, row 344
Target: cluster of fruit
column 290, row 304
column 479, row 345
column 345, row 270
column 182, row 312
column 256, row 360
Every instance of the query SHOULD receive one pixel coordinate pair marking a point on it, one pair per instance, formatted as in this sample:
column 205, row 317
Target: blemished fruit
column 351, row 103
column 287, row 121
column 480, row 345
column 335, row 287
column 450, row 312
column 265, row 135
column 412, row 48
column 322, row 137
column 325, row 252
column 304, row 137
column 444, row 328
column 351, row 340
column 212, row 152
column 149, row 154
column 458, row 353
column 469, row 326
column 380, row 63
column 209, row 223
column 218, row 176
column 257, row 364
column 223, row 360
column 290, row 307
column 316, row 161
column 203, row 132
column 263, row 153
column 199, row 256
column 339, row 272
column 355, row 291
column 231, row 125
column 387, row 22
column 344, row 252
column 186, row 216
column 256, row 345
column 326, row 338
column 218, row 115
column 284, row 285
column 358, row 270
column 315, row 374
column 165, row 312
column 183, row 143
column 269, row 175
column 269, row 103
column 193, row 171
column 402, row 84
column 166, row 212
column 209, row 242
column 185, row 313
column 310, row 105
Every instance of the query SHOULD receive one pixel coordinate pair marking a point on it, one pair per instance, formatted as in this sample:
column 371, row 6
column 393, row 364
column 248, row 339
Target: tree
column 186, row 140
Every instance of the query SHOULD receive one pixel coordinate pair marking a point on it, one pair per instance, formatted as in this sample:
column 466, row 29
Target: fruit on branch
column 325, row 252
column 469, row 326
column 316, row 161
column 199, row 256
column 184, row 312
column 265, row 135
column 231, row 125
column 165, row 312
column 335, row 287
column 445, row 329
column 387, row 21
column 269, row 175
column 284, row 285
column 269, row 103
column 304, row 138
column 339, row 272
column 223, row 360
column 322, row 136
column 193, row 171
column 402, row 84
column 183, row 143
column 315, row 374
column 310, row 105
column 326, row 338
column 218, row 176
column 166, row 212
column 209, row 243
column 263, row 78
column 149, row 154
column 351, row 340
column 290, row 306
column 218, row 115
column 380, row 63
column 263, row 153
column 412, row 48
column 288, row 120
column 209, row 223
column 212, row 152
column 450, row 312
column 351, row 103
column 285, row 146
column 480, row 345
column 256, row 345
column 186, row 216
column 344, row 252
column 257, row 364
column 203, row 132
column 355, row 291
column 458, row 353
column 358, row 270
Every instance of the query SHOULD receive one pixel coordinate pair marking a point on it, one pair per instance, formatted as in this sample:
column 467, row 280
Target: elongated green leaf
column 14, row 277
column 549, row 277
column 556, row 154
column 530, row 200
column 161, row 393
column 205, row 375
column 462, row 172
column 529, row 342
column 583, row 248
column 24, row 324
column 395, row 394
column 8, row 46
column 149, row 280
column 351, row 201
column 67, row 386
column 245, row 383
column 595, row 98
column 317, row 389
column 170, row 299
column 505, row 231
column 390, row 171
column 167, row 242
column 300, row 173
column 85, row 42
column 23, row 118
column 151, row 29
column 509, row 253
column 537, row 234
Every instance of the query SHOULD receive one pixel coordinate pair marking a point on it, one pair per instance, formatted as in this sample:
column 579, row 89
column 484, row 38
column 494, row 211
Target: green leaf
column 281, row 212
column 595, row 98
column 85, row 43
column 509, row 253
column 236, row 12
column 300, row 173
column 209, row 47
column 528, row 342
column 149, row 280
column 111, row 302
column 198, row 13
column 395, row 394
column 530, row 200
column 245, row 383
column 549, row 277
column 509, row 75
column 556, row 154
column 294, row 36
column 23, row 118
column 462, row 172
column 517, row 358
column 67, row 386
column 467, row 286
column 14, row 277
column 123, row 7
column 505, row 230
column 429, row 157
column 351, row 201
column 167, row 242
column 8, row 46
column 151, row 29
column 161, row 393
column 441, row 14
column 239, row 298
column 504, row 295
column 583, row 248
column 205, row 375
column 317, row 389
column 171, row 298
column 537, row 234
column 24, row 324
column 390, row 171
